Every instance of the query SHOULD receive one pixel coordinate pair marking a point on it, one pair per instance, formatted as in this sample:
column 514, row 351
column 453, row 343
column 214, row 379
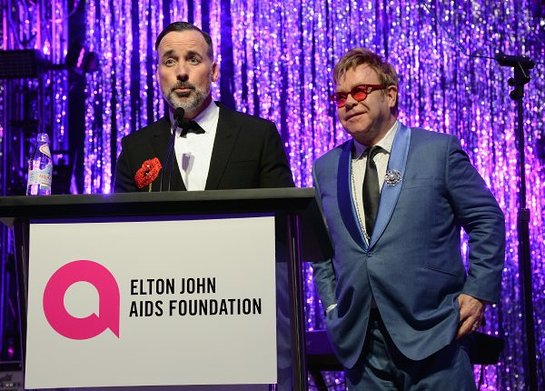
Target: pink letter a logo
column 92, row 325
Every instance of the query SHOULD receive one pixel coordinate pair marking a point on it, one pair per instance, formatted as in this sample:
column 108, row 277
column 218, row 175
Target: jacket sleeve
column 479, row 214
column 275, row 169
column 123, row 179
column 323, row 271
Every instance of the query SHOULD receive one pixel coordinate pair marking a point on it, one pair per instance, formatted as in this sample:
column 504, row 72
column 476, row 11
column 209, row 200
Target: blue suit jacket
column 412, row 265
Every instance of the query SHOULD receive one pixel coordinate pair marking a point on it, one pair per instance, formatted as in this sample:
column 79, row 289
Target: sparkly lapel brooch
column 392, row 177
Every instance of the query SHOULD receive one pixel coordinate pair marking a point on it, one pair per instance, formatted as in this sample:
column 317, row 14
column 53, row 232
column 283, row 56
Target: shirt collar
column 207, row 119
column 385, row 143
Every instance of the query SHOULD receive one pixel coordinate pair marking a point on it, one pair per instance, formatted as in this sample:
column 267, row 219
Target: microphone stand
column 521, row 66
column 178, row 120
column 167, row 162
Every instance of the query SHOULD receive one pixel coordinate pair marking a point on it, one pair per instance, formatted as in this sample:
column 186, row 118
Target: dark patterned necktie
column 371, row 190
column 191, row 127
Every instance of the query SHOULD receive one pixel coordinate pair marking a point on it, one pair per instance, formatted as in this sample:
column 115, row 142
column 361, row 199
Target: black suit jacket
column 247, row 153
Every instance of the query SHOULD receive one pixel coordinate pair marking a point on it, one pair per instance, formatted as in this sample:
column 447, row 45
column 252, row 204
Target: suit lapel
column 390, row 192
column 226, row 134
column 160, row 141
column 344, row 195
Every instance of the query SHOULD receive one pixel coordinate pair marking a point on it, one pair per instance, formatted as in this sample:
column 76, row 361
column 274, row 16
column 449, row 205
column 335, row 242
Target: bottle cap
column 42, row 137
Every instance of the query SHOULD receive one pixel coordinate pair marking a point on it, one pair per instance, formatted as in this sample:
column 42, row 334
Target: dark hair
column 185, row 26
column 358, row 56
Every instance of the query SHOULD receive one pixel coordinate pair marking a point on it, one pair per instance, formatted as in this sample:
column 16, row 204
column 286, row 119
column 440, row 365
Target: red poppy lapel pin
column 147, row 173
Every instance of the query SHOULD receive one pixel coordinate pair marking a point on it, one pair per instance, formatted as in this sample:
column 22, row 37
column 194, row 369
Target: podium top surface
column 278, row 201
column 289, row 200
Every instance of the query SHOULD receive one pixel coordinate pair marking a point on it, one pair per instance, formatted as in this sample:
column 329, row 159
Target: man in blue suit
column 398, row 299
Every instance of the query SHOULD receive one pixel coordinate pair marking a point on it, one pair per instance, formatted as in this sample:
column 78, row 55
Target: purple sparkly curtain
column 276, row 59
column 28, row 105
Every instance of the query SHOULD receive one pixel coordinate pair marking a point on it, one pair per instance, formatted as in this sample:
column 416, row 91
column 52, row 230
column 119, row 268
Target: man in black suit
column 223, row 149
column 230, row 150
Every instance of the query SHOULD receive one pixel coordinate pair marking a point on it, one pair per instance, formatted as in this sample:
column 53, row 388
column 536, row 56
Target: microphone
column 179, row 113
column 179, row 116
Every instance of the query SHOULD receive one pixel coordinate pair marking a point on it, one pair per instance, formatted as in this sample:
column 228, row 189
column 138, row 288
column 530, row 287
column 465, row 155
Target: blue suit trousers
column 383, row 367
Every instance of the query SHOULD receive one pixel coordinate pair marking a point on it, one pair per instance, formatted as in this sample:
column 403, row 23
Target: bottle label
column 41, row 177
column 44, row 148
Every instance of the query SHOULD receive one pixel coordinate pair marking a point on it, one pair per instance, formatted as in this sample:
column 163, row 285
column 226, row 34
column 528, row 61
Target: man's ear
column 391, row 93
column 215, row 71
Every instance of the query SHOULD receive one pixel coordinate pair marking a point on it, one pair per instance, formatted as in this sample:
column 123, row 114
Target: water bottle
column 40, row 167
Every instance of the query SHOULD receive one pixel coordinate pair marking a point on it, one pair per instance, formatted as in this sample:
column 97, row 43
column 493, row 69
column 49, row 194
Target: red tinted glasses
column 359, row 93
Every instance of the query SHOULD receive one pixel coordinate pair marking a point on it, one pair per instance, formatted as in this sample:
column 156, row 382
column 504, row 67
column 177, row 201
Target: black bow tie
column 191, row 127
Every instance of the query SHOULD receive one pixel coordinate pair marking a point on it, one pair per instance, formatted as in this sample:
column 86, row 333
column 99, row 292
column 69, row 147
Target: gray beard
column 189, row 104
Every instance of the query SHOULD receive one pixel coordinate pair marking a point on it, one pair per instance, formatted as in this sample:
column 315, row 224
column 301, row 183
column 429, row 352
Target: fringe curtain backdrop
column 37, row 104
column 276, row 59
column 28, row 105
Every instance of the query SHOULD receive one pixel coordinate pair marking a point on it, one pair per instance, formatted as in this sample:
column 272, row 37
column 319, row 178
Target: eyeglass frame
column 370, row 88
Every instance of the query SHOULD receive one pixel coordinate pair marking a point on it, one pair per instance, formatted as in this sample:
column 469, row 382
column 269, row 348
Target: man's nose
column 350, row 102
column 182, row 72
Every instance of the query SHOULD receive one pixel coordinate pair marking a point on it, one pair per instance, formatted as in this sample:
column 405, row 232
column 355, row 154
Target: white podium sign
column 186, row 302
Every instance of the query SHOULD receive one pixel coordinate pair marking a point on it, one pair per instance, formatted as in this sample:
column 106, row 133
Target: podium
column 295, row 216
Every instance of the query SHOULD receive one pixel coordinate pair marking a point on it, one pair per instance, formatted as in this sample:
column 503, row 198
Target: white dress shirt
column 357, row 173
column 194, row 151
column 359, row 160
